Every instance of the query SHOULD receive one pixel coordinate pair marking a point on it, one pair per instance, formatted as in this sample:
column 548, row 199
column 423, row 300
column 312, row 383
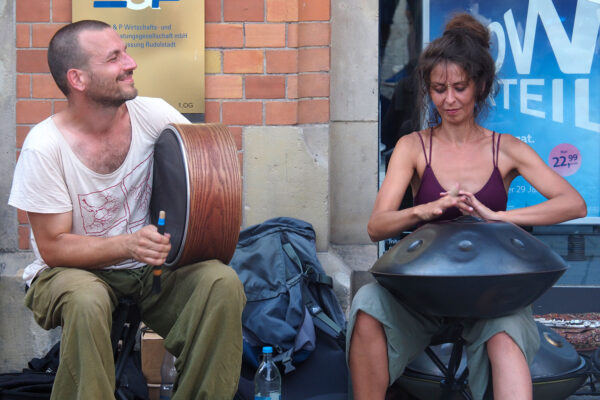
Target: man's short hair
column 65, row 52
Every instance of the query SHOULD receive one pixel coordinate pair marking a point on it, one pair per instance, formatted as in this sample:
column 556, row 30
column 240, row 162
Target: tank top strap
column 423, row 146
column 495, row 148
column 430, row 144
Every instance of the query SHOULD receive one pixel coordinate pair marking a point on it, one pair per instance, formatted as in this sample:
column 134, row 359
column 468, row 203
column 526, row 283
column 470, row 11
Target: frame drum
column 197, row 182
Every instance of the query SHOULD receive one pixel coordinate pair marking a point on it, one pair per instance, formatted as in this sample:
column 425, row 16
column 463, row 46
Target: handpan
column 469, row 268
column 197, row 182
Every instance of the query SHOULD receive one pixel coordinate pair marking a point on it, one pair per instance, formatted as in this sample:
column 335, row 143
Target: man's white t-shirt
column 50, row 178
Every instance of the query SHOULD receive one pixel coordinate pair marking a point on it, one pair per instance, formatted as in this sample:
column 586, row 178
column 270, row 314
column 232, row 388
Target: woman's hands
column 469, row 205
column 427, row 212
column 465, row 201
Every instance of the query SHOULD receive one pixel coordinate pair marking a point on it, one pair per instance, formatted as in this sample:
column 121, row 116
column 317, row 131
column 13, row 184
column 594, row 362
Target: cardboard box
column 153, row 391
column 153, row 353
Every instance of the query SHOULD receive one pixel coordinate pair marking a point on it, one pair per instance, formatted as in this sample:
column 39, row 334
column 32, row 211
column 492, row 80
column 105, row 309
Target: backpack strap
column 322, row 320
column 315, row 277
column 312, row 274
column 289, row 250
column 317, row 312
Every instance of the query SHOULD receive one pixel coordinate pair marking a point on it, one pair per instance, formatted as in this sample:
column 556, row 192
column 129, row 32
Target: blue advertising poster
column 546, row 55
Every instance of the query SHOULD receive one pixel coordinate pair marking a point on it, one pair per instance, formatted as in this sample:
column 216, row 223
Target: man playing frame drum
column 84, row 179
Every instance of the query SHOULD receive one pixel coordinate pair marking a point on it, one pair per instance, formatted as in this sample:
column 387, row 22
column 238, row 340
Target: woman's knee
column 501, row 345
column 500, row 340
column 366, row 327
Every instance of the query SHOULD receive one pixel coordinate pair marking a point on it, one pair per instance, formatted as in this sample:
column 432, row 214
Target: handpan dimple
column 520, row 245
column 465, row 245
column 414, row 245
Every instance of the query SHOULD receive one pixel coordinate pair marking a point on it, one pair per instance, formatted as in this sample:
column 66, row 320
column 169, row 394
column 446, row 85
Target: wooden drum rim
column 213, row 195
column 173, row 128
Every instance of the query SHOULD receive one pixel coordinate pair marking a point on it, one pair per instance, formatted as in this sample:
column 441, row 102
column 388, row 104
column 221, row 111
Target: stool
column 451, row 383
column 125, row 326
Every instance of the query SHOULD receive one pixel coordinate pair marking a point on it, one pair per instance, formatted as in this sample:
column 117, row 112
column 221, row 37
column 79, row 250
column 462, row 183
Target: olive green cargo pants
column 198, row 312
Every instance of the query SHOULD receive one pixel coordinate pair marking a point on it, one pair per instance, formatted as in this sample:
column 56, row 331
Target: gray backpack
column 288, row 294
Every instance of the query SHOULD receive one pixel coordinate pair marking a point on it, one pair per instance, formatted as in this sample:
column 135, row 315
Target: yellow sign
column 165, row 38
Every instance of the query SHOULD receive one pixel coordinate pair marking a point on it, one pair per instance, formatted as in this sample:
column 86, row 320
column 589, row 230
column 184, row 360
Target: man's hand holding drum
column 148, row 246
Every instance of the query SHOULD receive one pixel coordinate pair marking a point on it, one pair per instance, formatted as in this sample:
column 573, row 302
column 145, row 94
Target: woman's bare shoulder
column 515, row 152
column 413, row 139
column 511, row 144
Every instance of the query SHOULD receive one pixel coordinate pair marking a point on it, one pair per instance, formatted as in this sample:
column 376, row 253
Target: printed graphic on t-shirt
column 121, row 208
column 139, row 192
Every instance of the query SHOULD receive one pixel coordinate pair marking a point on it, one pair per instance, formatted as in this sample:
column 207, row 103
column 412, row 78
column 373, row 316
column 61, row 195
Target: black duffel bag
column 26, row 385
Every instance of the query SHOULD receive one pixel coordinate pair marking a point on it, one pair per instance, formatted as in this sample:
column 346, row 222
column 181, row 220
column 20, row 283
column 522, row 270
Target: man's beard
column 103, row 94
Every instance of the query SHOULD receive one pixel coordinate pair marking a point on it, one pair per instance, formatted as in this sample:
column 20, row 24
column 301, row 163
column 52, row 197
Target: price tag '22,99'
column 565, row 159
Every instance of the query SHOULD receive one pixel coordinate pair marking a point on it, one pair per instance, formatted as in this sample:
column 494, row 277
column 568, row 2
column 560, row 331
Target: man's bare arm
column 60, row 248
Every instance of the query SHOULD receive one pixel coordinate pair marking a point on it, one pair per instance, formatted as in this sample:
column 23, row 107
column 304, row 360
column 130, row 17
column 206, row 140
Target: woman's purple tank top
column 492, row 194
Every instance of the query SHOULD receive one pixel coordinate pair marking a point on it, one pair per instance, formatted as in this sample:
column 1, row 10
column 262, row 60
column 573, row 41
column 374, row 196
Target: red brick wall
column 37, row 95
column 268, row 63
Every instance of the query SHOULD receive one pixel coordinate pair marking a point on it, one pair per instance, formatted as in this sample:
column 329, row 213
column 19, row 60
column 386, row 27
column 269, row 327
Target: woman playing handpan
column 454, row 167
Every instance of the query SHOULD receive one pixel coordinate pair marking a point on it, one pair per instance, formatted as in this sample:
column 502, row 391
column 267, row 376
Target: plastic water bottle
column 168, row 373
column 267, row 381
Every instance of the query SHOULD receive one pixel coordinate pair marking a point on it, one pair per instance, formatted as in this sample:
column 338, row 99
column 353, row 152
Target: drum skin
column 469, row 268
column 197, row 182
